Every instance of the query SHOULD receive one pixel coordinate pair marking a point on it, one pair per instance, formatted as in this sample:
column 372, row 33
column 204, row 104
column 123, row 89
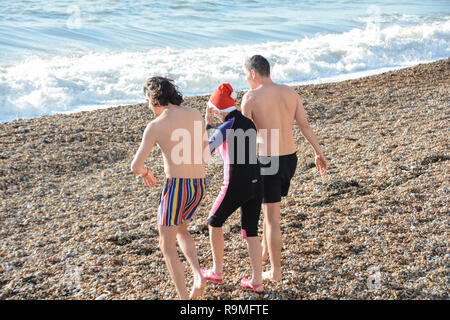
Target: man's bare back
column 177, row 131
column 272, row 108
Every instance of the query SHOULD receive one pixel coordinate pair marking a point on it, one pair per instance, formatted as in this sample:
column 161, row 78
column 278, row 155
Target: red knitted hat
column 222, row 99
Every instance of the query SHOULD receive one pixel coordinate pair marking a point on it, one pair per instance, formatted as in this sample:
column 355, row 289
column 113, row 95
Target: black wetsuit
column 242, row 184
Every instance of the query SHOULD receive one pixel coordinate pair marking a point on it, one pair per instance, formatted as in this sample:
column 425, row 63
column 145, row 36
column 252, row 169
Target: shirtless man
column 273, row 108
column 184, row 187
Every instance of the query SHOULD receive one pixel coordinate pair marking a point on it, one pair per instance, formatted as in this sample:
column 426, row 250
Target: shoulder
column 151, row 131
column 289, row 93
column 222, row 131
column 248, row 99
column 193, row 111
column 152, row 126
column 226, row 125
column 250, row 95
column 287, row 89
column 247, row 122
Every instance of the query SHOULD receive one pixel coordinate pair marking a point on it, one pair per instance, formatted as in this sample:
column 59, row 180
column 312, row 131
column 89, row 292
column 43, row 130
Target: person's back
column 274, row 117
column 179, row 133
column 273, row 108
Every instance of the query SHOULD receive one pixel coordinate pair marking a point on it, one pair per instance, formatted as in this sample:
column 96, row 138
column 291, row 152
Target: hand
column 209, row 116
column 321, row 164
column 149, row 179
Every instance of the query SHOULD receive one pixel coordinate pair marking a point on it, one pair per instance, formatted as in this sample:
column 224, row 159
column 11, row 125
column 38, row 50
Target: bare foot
column 268, row 275
column 265, row 256
column 197, row 289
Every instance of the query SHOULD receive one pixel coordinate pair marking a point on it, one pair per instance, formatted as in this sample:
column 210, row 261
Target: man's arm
column 307, row 132
column 246, row 106
column 147, row 144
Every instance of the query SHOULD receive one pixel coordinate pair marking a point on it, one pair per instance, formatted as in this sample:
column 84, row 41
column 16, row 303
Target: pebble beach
column 76, row 223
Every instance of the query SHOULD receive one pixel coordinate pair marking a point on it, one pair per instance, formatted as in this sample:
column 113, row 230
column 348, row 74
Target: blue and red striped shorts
column 179, row 199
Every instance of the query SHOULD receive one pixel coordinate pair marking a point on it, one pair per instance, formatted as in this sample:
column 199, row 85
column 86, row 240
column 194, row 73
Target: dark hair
column 259, row 64
column 162, row 91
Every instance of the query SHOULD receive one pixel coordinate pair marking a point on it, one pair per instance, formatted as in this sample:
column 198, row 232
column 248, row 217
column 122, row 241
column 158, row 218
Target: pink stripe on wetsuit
column 223, row 149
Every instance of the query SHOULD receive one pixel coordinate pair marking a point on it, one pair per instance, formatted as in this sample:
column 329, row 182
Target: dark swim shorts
column 277, row 178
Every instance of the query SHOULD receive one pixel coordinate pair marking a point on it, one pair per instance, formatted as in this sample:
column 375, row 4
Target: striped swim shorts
column 179, row 199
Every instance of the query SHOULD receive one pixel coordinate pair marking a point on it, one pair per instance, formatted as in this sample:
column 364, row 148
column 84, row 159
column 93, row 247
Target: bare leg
column 265, row 247
column 187, row 245
column 255, row 251
column 168, row 244
column 216, row 239
column 273, row 238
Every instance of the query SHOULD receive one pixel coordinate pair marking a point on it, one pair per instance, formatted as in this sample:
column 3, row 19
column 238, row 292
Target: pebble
column 103, row 296
column 74, row 226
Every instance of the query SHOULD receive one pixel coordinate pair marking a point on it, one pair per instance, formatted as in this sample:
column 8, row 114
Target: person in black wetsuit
column 242, row 185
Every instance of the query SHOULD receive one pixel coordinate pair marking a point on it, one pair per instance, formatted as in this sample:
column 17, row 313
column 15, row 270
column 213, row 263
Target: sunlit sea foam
column 41, row 86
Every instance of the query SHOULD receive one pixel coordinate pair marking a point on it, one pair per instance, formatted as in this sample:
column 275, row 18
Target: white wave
column 62, row 84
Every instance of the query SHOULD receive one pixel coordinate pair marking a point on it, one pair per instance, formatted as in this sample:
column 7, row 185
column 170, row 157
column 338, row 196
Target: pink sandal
column 211, row 276
column 247, row 284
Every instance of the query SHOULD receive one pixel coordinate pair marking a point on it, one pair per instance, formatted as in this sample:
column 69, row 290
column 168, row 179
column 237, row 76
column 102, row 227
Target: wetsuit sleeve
column 219, row 136
column 210, row 130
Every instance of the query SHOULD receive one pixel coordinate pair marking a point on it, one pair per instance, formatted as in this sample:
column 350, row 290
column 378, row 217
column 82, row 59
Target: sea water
column 65, row 56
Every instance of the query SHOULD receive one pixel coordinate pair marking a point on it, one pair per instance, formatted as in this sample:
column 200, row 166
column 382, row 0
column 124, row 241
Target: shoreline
column 77, row 224
column 326, row 80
